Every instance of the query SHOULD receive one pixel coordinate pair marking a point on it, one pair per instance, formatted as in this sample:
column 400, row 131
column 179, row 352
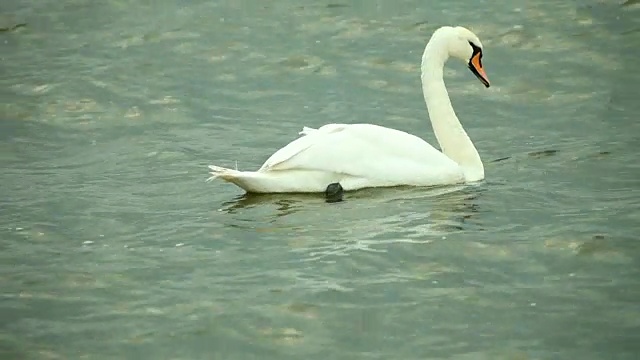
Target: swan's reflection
column 436, row 203
column 369, row 220
column 285, row 204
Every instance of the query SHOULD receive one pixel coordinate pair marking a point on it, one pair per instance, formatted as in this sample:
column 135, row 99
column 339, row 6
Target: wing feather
column 366, row 151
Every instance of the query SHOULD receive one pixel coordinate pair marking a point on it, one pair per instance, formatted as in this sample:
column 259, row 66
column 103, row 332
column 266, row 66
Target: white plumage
column 365, row 155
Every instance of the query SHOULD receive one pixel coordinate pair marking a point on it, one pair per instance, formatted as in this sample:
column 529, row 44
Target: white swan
column 363, row 155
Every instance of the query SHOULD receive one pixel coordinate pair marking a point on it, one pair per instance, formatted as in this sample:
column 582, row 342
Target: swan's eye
column 476, row 48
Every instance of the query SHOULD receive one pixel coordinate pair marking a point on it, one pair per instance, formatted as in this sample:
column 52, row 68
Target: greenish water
column 113, row 246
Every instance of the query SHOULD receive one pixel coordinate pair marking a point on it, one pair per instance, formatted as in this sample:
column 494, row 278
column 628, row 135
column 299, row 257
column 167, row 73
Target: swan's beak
column 475, row 64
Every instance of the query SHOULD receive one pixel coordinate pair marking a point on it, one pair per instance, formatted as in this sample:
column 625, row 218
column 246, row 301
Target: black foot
column 334, row 193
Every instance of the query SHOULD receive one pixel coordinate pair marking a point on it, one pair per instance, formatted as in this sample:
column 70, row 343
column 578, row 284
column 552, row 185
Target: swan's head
column 465, row 45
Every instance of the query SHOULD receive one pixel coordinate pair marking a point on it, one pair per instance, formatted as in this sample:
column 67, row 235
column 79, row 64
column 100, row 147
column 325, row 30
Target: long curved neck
column 454, row 141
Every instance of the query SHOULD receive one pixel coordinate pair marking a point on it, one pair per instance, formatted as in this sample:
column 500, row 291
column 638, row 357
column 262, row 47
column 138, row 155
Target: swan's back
column 366, row 151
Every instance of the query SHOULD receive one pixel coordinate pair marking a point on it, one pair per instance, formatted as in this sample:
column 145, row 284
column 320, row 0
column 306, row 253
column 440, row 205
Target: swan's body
column 363, row 155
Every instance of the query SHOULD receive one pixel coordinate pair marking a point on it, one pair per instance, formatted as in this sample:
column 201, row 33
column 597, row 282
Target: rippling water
column 113, row 246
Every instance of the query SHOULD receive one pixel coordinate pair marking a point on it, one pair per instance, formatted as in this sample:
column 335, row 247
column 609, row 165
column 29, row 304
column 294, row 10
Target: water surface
column 113, row 246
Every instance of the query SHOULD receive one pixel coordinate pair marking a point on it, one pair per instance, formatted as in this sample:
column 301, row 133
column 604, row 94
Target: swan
column 357, row 156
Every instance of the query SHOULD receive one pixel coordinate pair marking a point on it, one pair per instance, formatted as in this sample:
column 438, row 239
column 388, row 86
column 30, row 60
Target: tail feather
column 250, row 181
column 290, row 181
column 221, row 172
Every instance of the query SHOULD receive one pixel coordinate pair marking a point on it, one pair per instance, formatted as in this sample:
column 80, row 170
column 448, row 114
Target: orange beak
column 475, row 64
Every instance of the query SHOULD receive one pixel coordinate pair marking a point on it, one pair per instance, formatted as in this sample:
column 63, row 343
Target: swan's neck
column 454, row 141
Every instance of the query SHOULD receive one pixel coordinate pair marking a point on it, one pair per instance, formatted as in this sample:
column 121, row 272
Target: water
column 113, row 246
